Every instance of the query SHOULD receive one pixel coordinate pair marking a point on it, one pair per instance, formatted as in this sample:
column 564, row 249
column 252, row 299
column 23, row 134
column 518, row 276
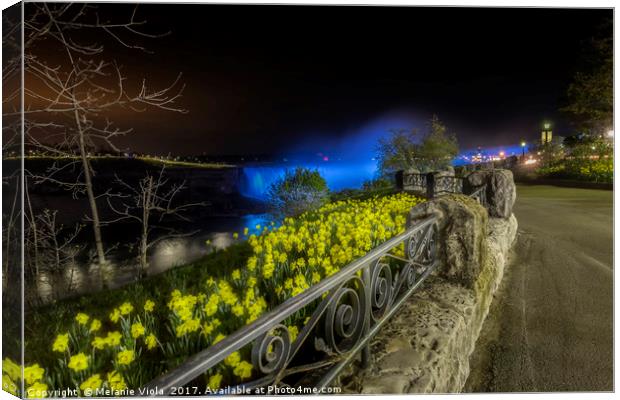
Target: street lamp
column 523, row 148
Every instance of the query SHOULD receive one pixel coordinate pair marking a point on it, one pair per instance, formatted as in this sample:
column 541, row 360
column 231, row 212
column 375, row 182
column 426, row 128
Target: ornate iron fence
column 435, row 184
column 438, row 185
column 346, row 310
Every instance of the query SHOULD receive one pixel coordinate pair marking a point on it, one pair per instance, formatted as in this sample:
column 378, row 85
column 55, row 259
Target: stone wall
column 426, row 347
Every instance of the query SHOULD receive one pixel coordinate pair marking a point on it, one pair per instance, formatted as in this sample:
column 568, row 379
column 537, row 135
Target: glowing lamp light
column 547, row 125
column 502, row 154
column 523, row 144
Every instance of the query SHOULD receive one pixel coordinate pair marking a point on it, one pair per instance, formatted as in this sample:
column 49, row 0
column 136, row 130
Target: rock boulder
column 501, row 193
column 462, row 226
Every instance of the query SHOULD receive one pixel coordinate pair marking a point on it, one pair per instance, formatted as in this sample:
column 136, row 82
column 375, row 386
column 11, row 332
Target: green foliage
column 298, row 191
column 431, row 151
column 369, row 189
column 589, row 158
column 550, row 153
column 378, row 184
column 590, row 95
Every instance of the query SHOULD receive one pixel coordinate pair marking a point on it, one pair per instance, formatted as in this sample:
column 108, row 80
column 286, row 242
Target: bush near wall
column 125, row 339
column 601, row 170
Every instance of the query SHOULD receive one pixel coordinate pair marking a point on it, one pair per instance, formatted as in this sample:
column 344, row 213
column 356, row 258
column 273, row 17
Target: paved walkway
column 551, row 327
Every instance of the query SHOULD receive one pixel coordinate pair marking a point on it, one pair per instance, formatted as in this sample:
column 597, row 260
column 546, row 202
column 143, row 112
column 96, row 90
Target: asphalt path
column 550, row 327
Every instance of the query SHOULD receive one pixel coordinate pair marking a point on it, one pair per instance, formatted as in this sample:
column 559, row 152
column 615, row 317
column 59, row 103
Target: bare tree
column 50, row 250
column 154, row 199
column 68, row 97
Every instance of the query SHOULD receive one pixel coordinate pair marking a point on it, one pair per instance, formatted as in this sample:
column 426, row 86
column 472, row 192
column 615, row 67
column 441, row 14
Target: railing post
column 366, row 349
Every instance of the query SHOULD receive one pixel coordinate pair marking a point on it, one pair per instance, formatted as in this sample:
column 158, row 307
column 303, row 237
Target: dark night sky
column 267, row 78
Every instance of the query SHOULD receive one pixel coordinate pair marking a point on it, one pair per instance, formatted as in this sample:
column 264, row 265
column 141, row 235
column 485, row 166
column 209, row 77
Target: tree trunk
column 91, row 197
column 146, row 208
column 33, row 224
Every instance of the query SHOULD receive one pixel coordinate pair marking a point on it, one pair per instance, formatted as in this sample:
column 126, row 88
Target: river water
column 83, row 276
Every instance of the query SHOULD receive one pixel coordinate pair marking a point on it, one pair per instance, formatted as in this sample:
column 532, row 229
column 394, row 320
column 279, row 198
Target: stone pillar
column 442, row 182
column 462, row 228
column 412, row 180
column 501, row 192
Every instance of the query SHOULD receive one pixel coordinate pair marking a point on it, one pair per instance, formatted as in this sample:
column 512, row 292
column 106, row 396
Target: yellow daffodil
column 189, row 326
column 243, row 370
column 150, row 341
column 94, row 382
column 125, row 357
column 37, row 390
column 8, row 385
column 61, row 343
column 113, row 338
column 99, row 343
column 116, row 381
column 293, row 332
column 13, row 370
column 233, row 359
column 125, row 308
column 95, row 325
column 115, row 315
column 137, row 330
column 82, row 318
column 78, row 362
column 149, row 305
column 33, row 373
column 215, row 381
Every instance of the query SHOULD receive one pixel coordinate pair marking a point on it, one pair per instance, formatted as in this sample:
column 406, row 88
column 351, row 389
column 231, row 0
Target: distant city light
column 502, row 154
column 531, row 161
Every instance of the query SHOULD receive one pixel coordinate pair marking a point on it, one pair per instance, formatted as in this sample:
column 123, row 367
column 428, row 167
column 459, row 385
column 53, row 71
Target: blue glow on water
column 255, row 181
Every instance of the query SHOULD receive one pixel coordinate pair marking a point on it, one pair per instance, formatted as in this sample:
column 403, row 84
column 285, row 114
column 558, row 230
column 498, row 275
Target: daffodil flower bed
column 132, row 343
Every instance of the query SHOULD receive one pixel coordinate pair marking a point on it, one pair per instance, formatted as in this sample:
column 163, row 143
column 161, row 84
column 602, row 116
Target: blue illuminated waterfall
column 255, row 180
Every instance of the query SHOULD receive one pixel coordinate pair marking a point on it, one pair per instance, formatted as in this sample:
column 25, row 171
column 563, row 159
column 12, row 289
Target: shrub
column 297, row 191
column 593, row 170
column 378, row 184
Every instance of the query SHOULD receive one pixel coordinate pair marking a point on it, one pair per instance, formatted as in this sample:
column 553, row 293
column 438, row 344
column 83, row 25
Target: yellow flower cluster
column 285, row 261
column 33, row 377
column 316, row 245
